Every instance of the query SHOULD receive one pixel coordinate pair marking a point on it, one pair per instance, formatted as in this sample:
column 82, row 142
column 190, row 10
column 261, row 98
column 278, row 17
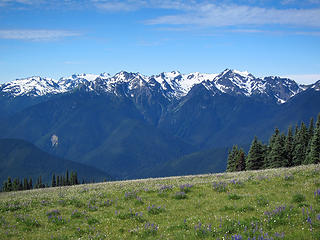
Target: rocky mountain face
column 131, row 125
column 171, row 85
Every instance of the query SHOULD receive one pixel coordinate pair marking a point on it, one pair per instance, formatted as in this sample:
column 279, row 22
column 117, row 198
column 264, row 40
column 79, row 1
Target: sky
column 52, row 38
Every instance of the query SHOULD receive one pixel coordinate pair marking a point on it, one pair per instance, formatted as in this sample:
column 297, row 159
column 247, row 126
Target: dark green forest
column 18, row 184
column 298, row 146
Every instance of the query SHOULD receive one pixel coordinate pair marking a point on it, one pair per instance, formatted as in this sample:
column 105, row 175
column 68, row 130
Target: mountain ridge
column 20, row 158
column 135, row 126
column 172, row 85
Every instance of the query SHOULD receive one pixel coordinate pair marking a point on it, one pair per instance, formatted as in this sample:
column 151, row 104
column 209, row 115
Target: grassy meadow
column 266, row 204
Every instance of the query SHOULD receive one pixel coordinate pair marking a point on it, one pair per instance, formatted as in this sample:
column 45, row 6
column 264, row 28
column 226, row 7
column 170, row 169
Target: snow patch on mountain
column 33, row 86
column 181, row 84
column 172, row 85
column 316, row 86
column 237, row 82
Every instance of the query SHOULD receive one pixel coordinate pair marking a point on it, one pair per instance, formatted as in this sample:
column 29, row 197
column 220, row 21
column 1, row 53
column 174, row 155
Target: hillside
column 267, row 204
column 134, row 126
column 21, row 159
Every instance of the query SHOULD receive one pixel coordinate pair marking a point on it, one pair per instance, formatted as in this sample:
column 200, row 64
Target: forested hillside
column 301, row 145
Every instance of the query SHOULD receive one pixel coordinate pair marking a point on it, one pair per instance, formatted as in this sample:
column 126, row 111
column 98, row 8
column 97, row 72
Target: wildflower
column 180, row 195
column 309, row 220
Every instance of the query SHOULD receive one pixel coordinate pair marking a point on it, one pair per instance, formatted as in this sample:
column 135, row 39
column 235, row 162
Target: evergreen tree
column 240, row 161
column 231, row 162
column 25, row 184
column 310, row 135
column 277, row 156
column 301, row 144
column 10, row 187
column 289, row 147
column 311, row 129
column 73, row 178
column 274, row 136
column 67, row 178
column 30, row 184
column 76, row 181
column 20, row 185
column 5, row 187
column 255, row 158
column 16, row 184
column 39, row 183
column 58, row 181
column 64, row 182
column 296, row 131
column 314, row 155
column 272, row 140
column 53, row 182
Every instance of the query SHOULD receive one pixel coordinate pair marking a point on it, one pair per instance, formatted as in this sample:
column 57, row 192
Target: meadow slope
column 270, row 204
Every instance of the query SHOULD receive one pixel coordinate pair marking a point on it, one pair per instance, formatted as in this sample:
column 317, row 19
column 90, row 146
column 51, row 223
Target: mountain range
column 131, row 125
column 171, row 85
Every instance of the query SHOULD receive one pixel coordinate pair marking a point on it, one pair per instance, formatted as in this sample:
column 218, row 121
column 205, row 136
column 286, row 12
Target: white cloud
column 197, row 12
column 286, row 2
column 307, row 33
column 276, row 32
column 314, row 1
column 17, row 1
column 36, row 35
column 116, row 6
column 304, row 78
column 233, row 15
column 25, row 2
column 132, row 5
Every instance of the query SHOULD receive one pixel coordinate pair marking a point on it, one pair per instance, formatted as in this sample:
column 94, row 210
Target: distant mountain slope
column 217, row 120
column 133, row 148
column 19, row 158
column 99, row 130
column 133, row 125
column 298, row 108
column 206, row 161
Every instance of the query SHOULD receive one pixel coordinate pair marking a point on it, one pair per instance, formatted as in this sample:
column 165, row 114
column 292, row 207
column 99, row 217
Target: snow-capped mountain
column 76, row 80
column 234, row 82
column 316, row 86
column 180, row 84
column 33, row 86
column 172, row 85
column 128, row 123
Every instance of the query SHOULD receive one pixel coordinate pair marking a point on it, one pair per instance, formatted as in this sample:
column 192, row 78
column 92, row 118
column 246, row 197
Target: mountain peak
column 316, row 85
column 32, row 86
column 232, row 72
column 104, row 74
column 86, row 76
column 243, row 73
column 173, row 85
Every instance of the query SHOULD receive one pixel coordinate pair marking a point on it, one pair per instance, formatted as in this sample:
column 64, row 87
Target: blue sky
column 58, row 38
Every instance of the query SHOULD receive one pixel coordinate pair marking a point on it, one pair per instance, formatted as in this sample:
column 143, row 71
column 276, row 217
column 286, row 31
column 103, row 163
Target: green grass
column 214, row 206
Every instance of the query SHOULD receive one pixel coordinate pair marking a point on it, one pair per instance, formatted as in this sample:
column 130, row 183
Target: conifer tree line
column 64, row 180
column 26, row 184
column 299, row 146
